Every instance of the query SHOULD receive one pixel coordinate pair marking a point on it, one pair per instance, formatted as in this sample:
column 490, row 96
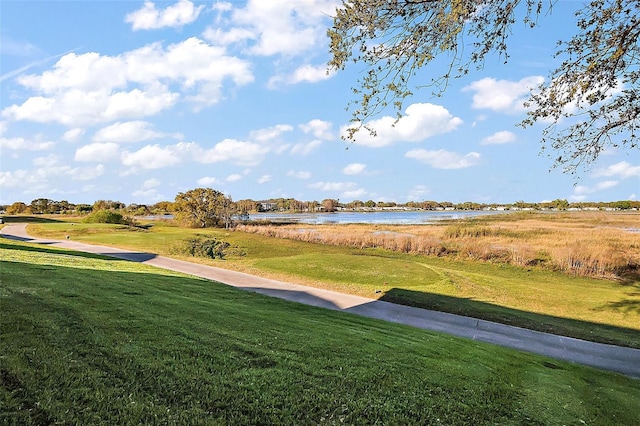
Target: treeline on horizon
column 291, row 205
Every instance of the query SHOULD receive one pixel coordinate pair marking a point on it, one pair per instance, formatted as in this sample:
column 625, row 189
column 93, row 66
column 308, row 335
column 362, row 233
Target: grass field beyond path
column 86, row 340
column 598, row 310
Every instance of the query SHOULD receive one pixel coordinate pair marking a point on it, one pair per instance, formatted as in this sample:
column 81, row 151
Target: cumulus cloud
column 581, row 190
column 174, row 16
column 234, row 151
column 263, row 179
column 156, row 156
column 91, row 88
column 270, row 133
column 354, row 169
column 22, row 144
column 502, row 95
column 47, row 175
column 302, row 74
column 499, row 138
column 208, row 181
column 622, row 170
column 334, row 186
column 72, row 135
column 97, row 152
column 418, row 192
column 318, row 128
column 299, row 175
column 234, row 177
column 148, row 190
column 420, row 121
column 277, row 27
column 442, row 159
column 305, row 148
column 129, row 131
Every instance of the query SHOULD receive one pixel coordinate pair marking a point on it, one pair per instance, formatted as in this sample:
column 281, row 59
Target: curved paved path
column 608, row 357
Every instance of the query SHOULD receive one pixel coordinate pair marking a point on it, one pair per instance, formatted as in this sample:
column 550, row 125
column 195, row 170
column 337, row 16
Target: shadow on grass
column 29, row 219
column 595, row 332
column 43, row 247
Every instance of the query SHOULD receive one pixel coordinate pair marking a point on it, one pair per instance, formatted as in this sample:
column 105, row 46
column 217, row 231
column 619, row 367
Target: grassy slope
column 591, row 309
column 84, row 340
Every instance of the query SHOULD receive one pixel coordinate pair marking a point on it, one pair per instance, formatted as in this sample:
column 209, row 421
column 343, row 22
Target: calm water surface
column 383, row 217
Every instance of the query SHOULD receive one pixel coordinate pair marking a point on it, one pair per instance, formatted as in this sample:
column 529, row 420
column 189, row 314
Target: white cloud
column 420, row 121
column 175, row 16
column 72, row 135
column 234, row 151
column 354, row 169
column 47, row 175
column 502, row 95
column 234, row 177
column 151, row 183
column 418, row 192
column 283, row 27
column 305, row 148
column 97, row 152
column 299, row 175
column 499, row 138
column 302, row 74
column 148, row 195
column 442, row 159
column 208, row 181
column 263, row 179
column 91, row 88
column 354, row 194
column 623, row 170
column 269, row 133
column 149, row 191
column 580, row 190
column 157, row 157
column 22, row 144
column 334, row 186
column 75, row 108
column 130, row 131
column 319, row 128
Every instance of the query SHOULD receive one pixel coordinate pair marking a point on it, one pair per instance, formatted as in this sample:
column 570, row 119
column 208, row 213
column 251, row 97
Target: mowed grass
column 88, row 340
column 593, row 309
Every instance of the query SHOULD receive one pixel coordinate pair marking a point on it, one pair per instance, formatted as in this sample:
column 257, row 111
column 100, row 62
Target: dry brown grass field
column 594, row 244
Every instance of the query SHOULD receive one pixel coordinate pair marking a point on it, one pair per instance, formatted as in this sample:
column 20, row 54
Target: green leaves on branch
column 590, row 103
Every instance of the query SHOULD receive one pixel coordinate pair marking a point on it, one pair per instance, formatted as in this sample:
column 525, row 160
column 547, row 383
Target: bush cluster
column 106, row 216
column 204, row 247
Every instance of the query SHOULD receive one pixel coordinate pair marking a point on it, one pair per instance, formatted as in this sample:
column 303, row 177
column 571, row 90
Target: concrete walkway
column 608, row 357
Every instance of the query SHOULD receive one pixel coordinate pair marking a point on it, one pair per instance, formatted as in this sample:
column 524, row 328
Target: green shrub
column 106, row 216
column 204, row 247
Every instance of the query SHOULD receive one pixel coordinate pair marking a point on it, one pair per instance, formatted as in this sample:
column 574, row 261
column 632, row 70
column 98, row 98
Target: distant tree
column 560, row 204
column 108, row 205
column 203, row 208
column 18, row 208
column 247, row 206
column 161, row 207
column 597, row 82
column 42, row 206
column 83, row 208
column 329, row 205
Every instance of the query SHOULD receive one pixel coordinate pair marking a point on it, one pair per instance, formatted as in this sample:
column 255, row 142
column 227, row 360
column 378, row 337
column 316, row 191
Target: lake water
column 378, row 217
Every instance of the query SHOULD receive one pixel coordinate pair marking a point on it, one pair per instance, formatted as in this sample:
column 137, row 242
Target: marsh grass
column 593, row 244
column 90, row 340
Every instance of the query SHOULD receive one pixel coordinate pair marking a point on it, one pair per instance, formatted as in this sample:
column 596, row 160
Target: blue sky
column 136, row 101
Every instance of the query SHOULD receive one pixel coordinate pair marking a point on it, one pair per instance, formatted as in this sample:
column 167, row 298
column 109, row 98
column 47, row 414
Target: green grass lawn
column 591, row 309
column 89, row 340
